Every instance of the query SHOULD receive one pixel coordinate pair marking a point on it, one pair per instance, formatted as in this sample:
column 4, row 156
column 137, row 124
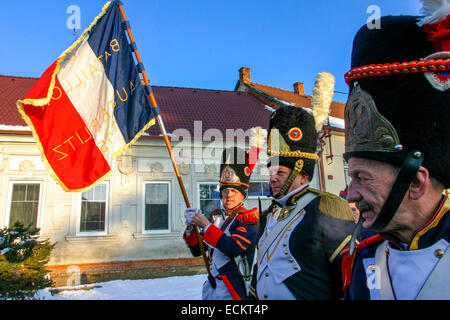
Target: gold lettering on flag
column 100, row 124
column 69, row 146
column 91, row 68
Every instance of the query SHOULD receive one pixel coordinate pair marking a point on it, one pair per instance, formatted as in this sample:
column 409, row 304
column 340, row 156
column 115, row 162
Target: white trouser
column 219, row 293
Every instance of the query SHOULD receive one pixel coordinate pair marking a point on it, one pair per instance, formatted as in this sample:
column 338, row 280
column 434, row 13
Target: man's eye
column 362, row 178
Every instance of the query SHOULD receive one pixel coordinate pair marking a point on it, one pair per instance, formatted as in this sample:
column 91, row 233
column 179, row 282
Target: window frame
column 198, row 192
column 346, row 175
column 256, row 197
column 10, row 191
column 169, row 208
column 107, row 205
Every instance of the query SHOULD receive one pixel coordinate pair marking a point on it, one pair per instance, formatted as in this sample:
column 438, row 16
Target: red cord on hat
column 373, row 70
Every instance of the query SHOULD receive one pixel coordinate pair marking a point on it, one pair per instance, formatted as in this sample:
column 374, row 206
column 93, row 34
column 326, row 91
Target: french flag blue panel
column 89, row 105
column 129, row 93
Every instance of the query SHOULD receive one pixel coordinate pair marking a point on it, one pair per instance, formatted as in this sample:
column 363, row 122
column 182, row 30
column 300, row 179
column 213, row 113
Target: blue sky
column 203, row 43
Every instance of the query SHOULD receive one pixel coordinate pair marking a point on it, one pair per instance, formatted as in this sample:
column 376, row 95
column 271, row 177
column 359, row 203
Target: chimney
column 244, row 75
column 299, row 89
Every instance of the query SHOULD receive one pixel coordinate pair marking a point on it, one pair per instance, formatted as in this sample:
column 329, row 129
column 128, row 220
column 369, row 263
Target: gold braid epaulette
column 330, row 204
column 371, row 70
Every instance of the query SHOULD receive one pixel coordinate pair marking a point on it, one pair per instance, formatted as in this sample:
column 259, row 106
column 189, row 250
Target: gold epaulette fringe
column 334, row 206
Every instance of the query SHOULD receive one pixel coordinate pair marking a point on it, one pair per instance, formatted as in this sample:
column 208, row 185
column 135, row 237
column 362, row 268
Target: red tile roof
column 222, row 110
column 336, row 108
column 12, row 89
column 180, row 107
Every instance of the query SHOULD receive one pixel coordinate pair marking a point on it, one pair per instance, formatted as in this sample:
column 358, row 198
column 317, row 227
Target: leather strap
column 294, row 173
column 407, row 173
column 224, row 226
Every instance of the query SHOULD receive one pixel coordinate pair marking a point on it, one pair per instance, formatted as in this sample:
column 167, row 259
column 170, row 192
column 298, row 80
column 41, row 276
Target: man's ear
column 304, row 178
column 419, row 184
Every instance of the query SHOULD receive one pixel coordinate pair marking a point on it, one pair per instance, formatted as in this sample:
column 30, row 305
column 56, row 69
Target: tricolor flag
column 89, row 105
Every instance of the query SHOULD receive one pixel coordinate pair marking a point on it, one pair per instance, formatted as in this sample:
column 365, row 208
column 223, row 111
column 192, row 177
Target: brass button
column 439, row 253
column 267, row 274
column 372, row 267
column 295, row 267
column 291, row 260
column 285, row 252
column 386, row 250
column 284, row 244
column 265, row 296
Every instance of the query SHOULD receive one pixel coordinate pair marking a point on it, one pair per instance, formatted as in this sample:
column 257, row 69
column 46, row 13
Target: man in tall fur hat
column 398, row 152
column 303, row 231
column 229, row 232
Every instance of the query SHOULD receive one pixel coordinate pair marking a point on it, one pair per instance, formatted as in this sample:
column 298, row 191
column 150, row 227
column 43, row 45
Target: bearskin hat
column 292, row 136
column 399, row 99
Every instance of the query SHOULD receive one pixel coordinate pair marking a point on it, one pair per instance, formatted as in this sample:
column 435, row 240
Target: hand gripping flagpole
column 151, row 96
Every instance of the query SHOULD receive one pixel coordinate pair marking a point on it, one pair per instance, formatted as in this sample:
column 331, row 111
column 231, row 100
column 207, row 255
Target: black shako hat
column 237, row 164
column 235, row 170
column 398, row 108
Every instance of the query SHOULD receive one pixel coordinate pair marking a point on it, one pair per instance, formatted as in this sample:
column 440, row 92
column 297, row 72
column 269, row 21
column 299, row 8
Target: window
column 157, row 210
column 209, row 197
column 94, row 208
column 347, row 178
column 259, row 189
column 24, row 205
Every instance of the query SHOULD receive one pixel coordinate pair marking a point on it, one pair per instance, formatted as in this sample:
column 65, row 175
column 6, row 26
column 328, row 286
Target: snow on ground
column 172, row 288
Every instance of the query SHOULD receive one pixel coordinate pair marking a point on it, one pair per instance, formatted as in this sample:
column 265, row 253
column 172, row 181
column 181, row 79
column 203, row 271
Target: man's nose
column 272, row 178
column 353, row 194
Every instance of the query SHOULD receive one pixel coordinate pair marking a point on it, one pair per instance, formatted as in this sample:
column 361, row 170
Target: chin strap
column 407, row 173
column 355, row 234
column 235, row 208
column 294, row 173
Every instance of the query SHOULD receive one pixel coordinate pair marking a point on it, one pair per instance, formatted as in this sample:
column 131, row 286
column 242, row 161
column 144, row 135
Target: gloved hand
column 189, row 213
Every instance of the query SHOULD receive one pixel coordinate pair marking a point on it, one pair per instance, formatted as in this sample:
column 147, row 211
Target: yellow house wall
column 334, row 175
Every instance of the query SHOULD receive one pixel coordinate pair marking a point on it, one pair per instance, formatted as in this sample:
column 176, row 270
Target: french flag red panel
column 89, row 105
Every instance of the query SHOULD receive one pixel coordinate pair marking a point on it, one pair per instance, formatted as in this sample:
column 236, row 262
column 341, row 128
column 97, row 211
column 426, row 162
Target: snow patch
column 172, row 288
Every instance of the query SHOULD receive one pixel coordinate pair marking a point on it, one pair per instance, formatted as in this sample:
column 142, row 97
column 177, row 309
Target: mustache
column 363, row 205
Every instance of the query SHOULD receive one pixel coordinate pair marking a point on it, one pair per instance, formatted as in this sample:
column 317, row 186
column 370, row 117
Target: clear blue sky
column 203, row 43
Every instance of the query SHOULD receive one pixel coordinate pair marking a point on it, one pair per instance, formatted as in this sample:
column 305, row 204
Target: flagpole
column 151, row 96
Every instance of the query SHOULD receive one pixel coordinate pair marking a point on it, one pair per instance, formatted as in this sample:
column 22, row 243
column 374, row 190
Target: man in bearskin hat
column 229, row 232
column 398, row 152
column 303, row 231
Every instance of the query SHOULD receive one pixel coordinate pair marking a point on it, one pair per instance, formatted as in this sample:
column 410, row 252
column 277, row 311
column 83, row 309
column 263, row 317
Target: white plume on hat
column 434, row 10
column 257, row 139
column 323, row 92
